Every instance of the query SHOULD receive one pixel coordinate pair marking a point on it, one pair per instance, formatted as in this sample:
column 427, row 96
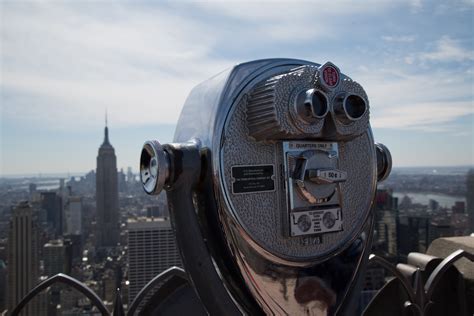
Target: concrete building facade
column 151, row 250
column 73, row 216
column 54, row 255
column 23, row 261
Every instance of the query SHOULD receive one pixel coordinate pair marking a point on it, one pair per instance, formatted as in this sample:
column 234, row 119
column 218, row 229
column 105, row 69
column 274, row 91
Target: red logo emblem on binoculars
column 330, row 76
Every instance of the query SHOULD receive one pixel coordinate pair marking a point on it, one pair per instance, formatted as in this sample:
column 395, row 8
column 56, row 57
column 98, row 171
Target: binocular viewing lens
column 355, row 107
column 317, row 103
column 349, row 108
column 312, row 105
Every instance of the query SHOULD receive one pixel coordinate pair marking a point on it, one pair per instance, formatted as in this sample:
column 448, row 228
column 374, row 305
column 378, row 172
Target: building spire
column 106, row 131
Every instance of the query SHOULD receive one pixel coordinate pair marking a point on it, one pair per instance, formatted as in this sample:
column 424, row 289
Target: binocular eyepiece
column 312, row 105
column 270, row 183
column 349, row 107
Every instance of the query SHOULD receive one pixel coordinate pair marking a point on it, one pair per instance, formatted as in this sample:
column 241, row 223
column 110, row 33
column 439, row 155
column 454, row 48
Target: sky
column 64, row 64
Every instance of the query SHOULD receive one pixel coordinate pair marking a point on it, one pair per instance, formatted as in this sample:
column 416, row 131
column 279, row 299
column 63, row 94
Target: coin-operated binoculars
column 270, row 183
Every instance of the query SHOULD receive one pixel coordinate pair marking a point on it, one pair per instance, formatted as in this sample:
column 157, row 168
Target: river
column 423, row 198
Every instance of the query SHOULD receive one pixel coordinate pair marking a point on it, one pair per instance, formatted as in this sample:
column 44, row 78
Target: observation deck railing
column 420, row 288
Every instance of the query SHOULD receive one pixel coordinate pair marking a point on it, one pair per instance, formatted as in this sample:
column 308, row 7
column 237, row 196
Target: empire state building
column 108, row 226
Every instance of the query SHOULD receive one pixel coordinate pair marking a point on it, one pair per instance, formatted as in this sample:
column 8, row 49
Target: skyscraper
column 23, row 262
column 470, row 198
column 151, row 250
column 54, row 254
column 73, row 216
column 108, row 232
column 52, row 204
column 385, row 242
column 413, row 234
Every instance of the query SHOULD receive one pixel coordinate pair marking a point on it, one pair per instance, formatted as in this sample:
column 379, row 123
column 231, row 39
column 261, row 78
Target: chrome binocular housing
column 270, row 182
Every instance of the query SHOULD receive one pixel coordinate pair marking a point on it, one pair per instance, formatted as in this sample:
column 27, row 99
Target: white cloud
column 416, row 5
column 63, row 65
column 429, row 116
column 447, row 50
column 399, row 39
column 427, row 102
column 271, row 10
column 65, row 103
column 292, row 20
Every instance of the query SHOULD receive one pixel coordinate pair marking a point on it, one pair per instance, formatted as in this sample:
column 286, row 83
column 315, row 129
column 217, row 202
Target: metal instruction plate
column 315, row 221
column 254, row 178
column 305, row 145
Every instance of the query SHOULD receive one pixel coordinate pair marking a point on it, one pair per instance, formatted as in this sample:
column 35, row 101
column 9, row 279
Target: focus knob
column 384, row 161
column 154, row 167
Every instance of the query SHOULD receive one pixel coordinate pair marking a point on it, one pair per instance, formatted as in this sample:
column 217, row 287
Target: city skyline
column 63, row 64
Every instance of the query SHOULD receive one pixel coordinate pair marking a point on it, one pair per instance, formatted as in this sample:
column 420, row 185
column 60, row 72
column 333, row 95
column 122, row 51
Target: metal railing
column 419, row 296
column 420, row 299
column 118, row 310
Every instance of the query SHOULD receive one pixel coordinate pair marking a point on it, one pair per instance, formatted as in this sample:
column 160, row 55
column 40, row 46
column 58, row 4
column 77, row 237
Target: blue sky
column 63, row 63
